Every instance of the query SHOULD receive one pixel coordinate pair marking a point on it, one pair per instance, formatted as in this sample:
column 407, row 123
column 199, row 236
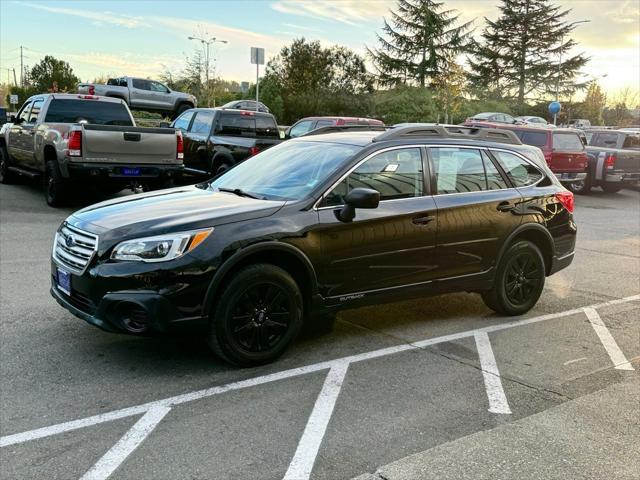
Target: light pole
column 205, row 45
column 555, row 115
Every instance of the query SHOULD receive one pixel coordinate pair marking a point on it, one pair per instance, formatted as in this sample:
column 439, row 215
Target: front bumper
column 570, row 177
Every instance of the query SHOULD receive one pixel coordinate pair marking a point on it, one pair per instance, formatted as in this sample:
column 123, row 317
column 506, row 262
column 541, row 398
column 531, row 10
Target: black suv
column 315, row 225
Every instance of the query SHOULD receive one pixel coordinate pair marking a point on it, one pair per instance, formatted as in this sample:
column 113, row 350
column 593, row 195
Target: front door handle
column 422, row 220
column 505, row 207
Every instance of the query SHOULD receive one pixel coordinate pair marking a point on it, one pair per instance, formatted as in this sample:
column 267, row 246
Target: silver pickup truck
column 143, row 94
column 74, row 140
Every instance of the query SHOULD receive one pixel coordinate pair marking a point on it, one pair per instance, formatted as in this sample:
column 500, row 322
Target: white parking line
column 330, row 389
column 620, row 362
column 307, row 451
column 126, row 445
column 492, row 383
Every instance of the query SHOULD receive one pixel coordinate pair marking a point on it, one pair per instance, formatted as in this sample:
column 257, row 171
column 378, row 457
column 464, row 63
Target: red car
column 563, row 148
column 308, row 124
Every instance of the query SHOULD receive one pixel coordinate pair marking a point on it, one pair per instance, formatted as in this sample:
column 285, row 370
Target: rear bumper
column 117, row 171
column 569, row 177
column 558, row 263
column 624, row 177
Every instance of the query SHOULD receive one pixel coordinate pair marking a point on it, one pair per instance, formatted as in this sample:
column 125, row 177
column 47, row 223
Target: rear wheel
column 612, row 187
column 258, row 315
column 519, row 280
column 222, row 168
column 6, row 175
column 55, row 187
column 583, row 187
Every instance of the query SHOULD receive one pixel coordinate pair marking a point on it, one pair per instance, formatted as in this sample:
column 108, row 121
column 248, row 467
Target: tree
column 594, row 103
column 52, row 74
column 520, row 52
column 421, row 44
column 449, row 87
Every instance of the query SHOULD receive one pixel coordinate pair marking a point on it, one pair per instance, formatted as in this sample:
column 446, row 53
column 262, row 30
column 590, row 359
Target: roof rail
column 343, row 128
column 450, row 131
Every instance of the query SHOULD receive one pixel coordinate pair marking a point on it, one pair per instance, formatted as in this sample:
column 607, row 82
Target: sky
column 147, row 37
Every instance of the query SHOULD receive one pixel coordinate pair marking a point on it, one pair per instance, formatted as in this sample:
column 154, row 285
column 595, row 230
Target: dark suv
column 315, row 225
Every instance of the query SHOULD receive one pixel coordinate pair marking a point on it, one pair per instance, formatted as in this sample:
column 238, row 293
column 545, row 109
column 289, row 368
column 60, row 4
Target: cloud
column 97, row 17
column 133, row 64
column 344, row 11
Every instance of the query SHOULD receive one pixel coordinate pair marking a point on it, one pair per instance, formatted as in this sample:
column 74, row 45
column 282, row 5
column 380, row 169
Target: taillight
column 253, row 151
column 75, row 143
column 179, row 146
column 610, row 161
column 566, row 199
column 247, row 113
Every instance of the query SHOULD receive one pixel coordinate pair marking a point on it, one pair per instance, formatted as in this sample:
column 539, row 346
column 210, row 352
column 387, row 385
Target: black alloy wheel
column 257, row 316
column 6, row 175
column 519, row 280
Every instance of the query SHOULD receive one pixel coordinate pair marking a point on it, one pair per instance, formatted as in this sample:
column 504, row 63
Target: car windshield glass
column 289, row 171
column 88, row 111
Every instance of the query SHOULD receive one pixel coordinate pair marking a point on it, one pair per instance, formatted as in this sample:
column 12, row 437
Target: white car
column 534, row 121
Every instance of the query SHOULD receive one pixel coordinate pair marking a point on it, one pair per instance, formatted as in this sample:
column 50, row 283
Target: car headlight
column 160, row 248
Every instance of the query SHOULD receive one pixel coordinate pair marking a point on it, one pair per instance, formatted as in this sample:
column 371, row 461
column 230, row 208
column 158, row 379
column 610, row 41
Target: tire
column 519, row 280
column 582, row 187
column 6, row 175
column 612, row 187
column 55, row 187
column 222, row 168
column 258, row 315
column 181, row 108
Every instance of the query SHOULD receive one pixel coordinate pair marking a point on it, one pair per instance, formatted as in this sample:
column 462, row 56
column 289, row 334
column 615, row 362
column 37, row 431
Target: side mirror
column 13, row 119
column 165, row 125
column 357, row 198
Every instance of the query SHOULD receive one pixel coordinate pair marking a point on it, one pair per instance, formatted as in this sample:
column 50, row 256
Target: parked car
column 534, row 121
column 494, row 117
column 3, row 116
column 69, row 139
column 580, row 123
column 315, row 225
column 614, row 161
column 216, row 139
column 143, row 94
column 247, row 105
column 308, row 124
column 563, row 148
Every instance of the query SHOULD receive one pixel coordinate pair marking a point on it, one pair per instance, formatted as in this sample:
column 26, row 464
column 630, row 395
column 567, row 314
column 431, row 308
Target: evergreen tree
column 421, row 44
column 521, row 50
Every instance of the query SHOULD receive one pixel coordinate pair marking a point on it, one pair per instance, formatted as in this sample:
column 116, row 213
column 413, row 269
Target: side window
column 158, row 87
column 182, row 122
column 35, row 110
column 140, row 84
column 24, row 113
column 300, row 128
column 458, row 170
column 202, row 123
column 519, row 171
column 631, row 141
column 395, row 174
column 324, row 123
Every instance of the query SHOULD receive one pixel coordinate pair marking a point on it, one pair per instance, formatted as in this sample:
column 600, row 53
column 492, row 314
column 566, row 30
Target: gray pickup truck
column 143, row 94
column 84, row 139
column 613, row 161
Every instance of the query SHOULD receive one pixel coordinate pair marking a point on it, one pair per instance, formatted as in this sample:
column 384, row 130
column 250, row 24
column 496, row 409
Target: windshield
column 289, row 171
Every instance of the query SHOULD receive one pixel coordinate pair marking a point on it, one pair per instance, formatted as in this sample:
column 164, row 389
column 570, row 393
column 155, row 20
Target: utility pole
column 15, row 81
column 21, row 68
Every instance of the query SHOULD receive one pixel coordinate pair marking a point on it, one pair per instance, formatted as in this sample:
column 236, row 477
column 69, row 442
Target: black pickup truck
column 614, row 161
column 215, row 139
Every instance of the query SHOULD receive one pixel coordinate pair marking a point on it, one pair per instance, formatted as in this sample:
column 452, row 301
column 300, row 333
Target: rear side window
column 24, row 113
column 519, row 171
column 567, row 142
column 460, row 170
column 266, row 127
column 183, row 121
column 88, row 111
column 239, row 125
column 202, row 123
column 141, row 84
column 606, row 139
column 537, row 139
column 324, row 123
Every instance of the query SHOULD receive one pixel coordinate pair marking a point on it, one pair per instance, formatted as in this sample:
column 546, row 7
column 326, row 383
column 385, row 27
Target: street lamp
column 207, row 42
column 555, row 115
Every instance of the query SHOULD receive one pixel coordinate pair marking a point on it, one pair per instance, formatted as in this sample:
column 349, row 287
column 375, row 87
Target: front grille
column 74, row 248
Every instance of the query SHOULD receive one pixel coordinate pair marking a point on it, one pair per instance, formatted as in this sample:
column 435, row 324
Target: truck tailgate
column 628, row 161
column 130, row 145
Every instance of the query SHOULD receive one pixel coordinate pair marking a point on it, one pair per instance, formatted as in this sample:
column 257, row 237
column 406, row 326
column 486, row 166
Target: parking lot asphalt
column 387, row 383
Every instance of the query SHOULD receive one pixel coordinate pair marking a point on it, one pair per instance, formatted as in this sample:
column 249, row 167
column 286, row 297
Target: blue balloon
column 554, row 107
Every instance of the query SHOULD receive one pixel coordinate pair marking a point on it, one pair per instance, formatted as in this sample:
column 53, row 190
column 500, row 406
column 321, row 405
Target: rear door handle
column 505, row 207
column 422, row 220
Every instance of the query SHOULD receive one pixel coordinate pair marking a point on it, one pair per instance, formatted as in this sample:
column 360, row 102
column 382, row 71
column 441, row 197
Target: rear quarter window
column 567, row 142
column 93, row 112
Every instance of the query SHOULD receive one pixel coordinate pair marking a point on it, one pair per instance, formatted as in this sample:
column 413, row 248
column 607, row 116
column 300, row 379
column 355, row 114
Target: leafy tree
column 52, row 74
column 449, row 87
column 520, row 52
column 421, row 44
column 594, row 103
column 404, row 104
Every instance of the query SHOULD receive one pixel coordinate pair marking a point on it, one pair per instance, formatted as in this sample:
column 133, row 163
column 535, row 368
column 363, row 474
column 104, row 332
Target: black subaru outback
column 315, row 225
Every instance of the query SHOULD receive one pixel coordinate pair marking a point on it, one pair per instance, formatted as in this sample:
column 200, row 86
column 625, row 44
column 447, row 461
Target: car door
column 28, row 134
column 17, row 142
column 197, row 138
column 161, row 96
column 477, row 210
column 383, row 248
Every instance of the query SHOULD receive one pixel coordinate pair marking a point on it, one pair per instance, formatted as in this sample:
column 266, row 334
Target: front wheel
column 612, row 187
column 257, row 316
column 519, row 280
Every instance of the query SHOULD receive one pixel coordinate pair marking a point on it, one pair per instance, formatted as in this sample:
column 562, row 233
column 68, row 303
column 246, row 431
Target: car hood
column 172, row 210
